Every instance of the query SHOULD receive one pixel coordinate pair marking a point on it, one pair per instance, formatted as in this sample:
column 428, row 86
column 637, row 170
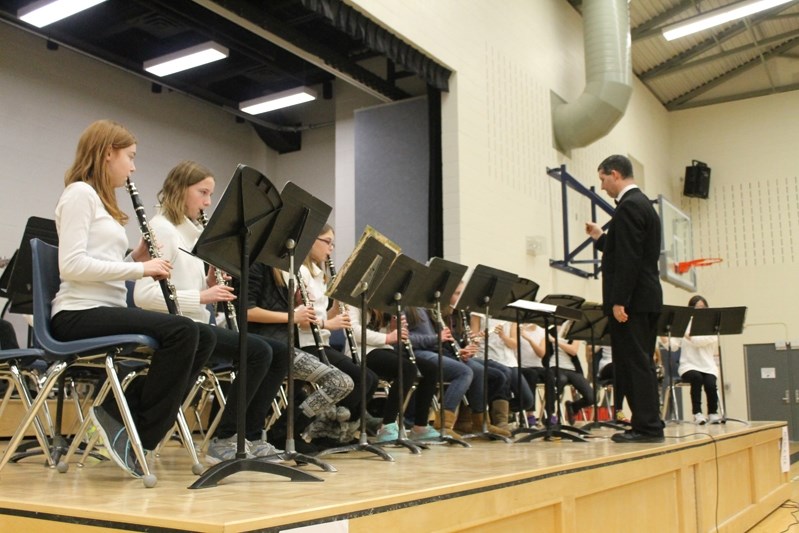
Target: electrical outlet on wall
column 536, row 245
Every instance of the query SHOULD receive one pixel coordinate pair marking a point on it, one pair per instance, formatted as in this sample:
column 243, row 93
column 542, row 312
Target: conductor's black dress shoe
column 634, row 437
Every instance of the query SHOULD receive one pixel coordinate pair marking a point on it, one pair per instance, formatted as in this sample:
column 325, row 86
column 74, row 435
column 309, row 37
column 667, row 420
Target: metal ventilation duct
column 608, row 71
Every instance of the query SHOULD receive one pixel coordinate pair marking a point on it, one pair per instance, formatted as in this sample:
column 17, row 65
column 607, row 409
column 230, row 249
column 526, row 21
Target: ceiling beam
column 652, row 27
column 279, row 34
column 739, row 96
column 715, row 40
column 680, row 101
column 721, row 55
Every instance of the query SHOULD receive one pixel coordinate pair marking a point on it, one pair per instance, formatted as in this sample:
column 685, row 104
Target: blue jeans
column 458, row 374
column 523, row 396
column 497, row 384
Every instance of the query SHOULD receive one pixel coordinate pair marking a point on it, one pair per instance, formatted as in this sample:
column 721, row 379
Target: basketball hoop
column 685, row 266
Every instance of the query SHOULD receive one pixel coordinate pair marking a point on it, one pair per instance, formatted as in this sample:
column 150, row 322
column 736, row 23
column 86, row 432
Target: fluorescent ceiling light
column 186, row 59
column 299, row 95
column 718, row 16
column 46, row 12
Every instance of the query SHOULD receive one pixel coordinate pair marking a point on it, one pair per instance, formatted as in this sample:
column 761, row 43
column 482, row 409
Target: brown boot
column 449, row 423
column 464, row 422
column 477, row 425
column 499, row 413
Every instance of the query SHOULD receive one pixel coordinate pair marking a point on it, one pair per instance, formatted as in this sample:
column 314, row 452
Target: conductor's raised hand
column 593, row 229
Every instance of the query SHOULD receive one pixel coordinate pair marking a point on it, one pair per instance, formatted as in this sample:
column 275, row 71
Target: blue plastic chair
column 93, row 351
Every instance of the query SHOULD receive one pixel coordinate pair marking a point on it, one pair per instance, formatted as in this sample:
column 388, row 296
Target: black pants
column 345, row 363
column 154, row 399
column 8, row 337
column 534, row 375
column 698, row 380
column 568, row 377
column 257, row 398
column 384, row 363
column 606, row 374
column 633, row 344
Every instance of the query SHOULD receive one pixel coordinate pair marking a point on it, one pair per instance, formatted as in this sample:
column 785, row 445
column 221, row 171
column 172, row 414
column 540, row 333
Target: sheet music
column 533, row 306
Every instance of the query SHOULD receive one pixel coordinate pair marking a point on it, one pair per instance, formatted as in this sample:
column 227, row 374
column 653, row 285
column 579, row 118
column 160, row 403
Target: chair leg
column 51, row 377
column 127, row 420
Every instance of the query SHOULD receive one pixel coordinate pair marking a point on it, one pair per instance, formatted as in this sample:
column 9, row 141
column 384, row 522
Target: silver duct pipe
column 608, row 72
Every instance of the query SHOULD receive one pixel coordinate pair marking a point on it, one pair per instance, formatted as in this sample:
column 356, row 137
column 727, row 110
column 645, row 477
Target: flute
column 230, row 309
column 167, row 288
column 317, row 335
column 347, row 331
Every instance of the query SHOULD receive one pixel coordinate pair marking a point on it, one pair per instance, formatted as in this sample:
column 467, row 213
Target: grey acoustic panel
column 392, row 173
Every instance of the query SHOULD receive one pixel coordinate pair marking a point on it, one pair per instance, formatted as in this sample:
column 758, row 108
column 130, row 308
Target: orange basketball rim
column 684, row 266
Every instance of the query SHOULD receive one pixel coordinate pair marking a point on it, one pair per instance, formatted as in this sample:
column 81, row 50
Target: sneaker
column 223, row 450
column 714, row 418
column 388, row 433
column 116, row 441
column 373, row 424
column 700, row 419
column 426, row 433
column 532, row 421
column 264, row 450
column 91, row 431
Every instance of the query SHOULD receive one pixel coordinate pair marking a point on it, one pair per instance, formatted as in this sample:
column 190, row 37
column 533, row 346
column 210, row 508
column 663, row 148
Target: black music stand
column 398, row 288
column 440, row 283
column 239, row 228
column 299, row 221
column 488, row 290
column 362, row 272
column 523, row 289
column 719, row 321
column 552, row 307
column 593, row 329
column 672, row 322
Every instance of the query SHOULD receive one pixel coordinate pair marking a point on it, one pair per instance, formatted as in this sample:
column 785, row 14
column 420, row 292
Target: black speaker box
column 697, row 181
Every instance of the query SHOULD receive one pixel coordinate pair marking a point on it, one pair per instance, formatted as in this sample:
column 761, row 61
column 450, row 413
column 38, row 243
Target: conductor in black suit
column 631, row 294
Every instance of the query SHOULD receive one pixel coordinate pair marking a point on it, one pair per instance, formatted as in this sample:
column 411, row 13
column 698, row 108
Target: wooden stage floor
column 702, row 478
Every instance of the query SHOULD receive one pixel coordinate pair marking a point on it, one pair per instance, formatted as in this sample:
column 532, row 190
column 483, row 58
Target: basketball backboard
column 676, row 245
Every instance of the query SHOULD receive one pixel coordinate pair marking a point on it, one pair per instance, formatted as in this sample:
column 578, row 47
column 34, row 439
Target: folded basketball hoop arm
column 569, row 260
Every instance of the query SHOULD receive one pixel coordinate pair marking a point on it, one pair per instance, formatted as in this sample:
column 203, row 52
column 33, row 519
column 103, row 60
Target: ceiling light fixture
column 718, row 16
column 45, row 12
column 270, row 102
column 185, row 59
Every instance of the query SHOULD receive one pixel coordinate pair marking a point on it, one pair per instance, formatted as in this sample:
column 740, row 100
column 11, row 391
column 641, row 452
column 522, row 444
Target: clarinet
column 230, row 309
column 467, row 329
column 408, row 348
column 170, row 294
column 317, row 335
column 347, row 331
column 452, row 344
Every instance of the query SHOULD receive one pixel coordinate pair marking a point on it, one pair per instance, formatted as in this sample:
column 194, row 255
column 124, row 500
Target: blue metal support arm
column 567, row 263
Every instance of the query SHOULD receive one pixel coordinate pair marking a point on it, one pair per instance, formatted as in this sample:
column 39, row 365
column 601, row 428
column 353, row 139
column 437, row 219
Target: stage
column 702, row 476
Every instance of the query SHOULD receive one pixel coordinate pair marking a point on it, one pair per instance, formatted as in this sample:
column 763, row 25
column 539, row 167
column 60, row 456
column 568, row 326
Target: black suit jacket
column 631, row 250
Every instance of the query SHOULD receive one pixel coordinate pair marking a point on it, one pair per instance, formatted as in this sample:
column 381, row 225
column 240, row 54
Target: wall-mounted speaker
column 697, row 180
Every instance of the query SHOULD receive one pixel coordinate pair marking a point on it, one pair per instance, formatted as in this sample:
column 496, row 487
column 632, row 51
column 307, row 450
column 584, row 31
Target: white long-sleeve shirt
column 374, row 339
column 315, row 284
column 698, row 353
column 92, row 250
column 529, row 358
column 188, row 272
